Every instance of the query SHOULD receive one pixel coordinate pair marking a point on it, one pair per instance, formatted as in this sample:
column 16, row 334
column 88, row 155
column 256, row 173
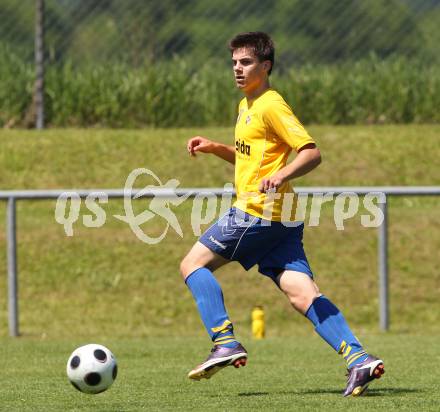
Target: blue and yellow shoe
column 219, row 358
column 360, row 376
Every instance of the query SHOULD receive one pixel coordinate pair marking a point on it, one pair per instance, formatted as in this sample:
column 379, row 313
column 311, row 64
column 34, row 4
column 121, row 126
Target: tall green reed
column 177, row 93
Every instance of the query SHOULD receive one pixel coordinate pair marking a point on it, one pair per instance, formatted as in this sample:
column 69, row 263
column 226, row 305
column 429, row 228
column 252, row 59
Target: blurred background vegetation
column 131, row 63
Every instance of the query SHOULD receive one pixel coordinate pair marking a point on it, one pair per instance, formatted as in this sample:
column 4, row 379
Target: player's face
column 249, row 72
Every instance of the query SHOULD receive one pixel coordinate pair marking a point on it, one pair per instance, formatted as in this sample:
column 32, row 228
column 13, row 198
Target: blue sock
column 209, row 298
column 333, row 328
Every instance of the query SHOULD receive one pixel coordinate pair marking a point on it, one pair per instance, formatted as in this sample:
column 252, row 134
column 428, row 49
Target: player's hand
column 271, row 184
column 199, row 144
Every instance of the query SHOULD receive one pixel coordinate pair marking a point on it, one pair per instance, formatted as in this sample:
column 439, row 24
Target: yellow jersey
column 265, row 134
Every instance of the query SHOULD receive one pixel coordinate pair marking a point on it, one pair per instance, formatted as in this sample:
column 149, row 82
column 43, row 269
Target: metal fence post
column 39, row 63
column 383, row 269
column 12, row 267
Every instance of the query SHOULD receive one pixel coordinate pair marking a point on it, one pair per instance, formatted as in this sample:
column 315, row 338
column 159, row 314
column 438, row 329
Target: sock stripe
column 350, row 358
column 354, row 357
column 342, row 347
column 347, row 352
column 222, row 328
column 224, row 338
column 225, row 341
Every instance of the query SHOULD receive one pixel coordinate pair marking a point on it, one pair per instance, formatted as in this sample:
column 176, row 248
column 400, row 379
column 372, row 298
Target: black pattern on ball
column 74, row 363
column 92, row 378
column 115, row 372
column 100, row 355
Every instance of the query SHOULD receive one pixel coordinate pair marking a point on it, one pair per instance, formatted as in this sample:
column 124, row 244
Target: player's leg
column 304, row 295
column 330, row 324
column 196, row 268
column 200, row 256
column 299, row 288
column 236, row 236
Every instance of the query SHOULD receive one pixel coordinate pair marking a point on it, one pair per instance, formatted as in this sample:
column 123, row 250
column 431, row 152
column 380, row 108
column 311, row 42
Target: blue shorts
column 250, row 240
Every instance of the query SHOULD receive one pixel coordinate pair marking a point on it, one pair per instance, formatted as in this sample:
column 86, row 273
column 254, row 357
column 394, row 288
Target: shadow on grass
column 254, row 393
column 297, row 392
column 392, row 391
column 371, row 392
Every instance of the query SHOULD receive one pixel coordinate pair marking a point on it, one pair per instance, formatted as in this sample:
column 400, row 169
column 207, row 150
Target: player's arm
column 204, row 145
column 283, row 123
column 307, row 159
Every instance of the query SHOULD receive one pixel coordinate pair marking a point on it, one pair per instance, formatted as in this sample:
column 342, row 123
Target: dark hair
column 259, row 42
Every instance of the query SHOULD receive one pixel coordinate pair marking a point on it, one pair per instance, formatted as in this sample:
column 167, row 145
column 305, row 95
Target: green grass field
column 282, row 374
column 104, row 285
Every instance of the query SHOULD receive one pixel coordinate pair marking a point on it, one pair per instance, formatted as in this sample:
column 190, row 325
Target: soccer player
column 256, row 229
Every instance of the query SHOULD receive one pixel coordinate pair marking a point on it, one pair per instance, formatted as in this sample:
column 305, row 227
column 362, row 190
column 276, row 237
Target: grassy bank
column 104, row 281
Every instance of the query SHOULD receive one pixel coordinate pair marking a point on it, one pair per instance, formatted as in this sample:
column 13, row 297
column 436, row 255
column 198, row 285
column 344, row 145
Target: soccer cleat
column 219, row 358
column 360, row 376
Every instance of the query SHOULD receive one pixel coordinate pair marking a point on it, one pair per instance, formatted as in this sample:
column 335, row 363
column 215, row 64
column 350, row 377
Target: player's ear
column 267, row 65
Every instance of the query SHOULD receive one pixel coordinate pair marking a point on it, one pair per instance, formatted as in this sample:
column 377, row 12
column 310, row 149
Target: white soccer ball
column 92, row 368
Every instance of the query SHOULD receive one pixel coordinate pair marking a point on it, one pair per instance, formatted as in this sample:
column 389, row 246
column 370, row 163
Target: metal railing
column 11, row 217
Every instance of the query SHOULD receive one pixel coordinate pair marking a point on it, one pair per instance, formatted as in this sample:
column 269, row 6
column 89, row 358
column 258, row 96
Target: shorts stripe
column 241, row 237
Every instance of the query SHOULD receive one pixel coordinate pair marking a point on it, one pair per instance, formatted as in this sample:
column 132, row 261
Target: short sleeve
column 281, row 121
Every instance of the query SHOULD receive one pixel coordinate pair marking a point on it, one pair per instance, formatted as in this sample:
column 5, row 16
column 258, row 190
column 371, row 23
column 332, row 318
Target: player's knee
column 187, row 266
column 301, row 302
column 184, row 268
column 296, row 301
